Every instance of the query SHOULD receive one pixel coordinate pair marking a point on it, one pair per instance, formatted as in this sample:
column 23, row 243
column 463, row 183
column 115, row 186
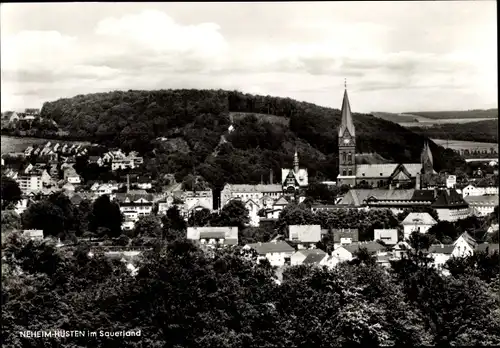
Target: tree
column 294, row 214
column 45, row 216
column 10, row 192
column 10, row 221
column 106, row 217
column 444, row 231
column 233, row 214
column 174, row 226
column 199, row 217
column 148, row 226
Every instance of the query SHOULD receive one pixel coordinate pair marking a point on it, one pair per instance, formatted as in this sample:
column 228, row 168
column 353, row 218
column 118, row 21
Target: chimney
column 128, row 183
column 271, row 177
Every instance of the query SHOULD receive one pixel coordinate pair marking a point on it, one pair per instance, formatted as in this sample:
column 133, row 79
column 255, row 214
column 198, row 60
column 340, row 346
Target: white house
column 388, row 236
column 471, row 190
column 253, row 192
column 33, row 234
column 71, row 176
column 307, row 257
column 464, row 246
column 214, row 235
column 417, row 222
column 277, row 252
column 451, row 206
column 347, row 252
column 304, row 233
column 482, row 205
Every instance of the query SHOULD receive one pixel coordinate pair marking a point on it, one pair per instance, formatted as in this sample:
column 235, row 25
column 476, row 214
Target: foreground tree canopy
column 183, row 297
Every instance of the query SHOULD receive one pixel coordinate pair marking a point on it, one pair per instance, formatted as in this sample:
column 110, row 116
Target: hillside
column 481, row 131
column 489, row 113
column 396, row 118
column 133, row 119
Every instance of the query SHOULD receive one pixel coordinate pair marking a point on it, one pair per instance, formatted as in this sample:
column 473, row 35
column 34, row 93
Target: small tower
column 426, row 159
column 347, row 145
column 296, row 161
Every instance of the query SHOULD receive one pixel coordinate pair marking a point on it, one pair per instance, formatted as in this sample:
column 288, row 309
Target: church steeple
column 346, row 122
column 426, row 158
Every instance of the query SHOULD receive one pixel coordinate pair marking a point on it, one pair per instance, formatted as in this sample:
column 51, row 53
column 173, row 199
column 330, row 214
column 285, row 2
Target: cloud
column 301, row 51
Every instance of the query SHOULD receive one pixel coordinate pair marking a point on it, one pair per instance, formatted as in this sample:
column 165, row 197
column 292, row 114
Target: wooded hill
column 134, row 119
column 481, row 131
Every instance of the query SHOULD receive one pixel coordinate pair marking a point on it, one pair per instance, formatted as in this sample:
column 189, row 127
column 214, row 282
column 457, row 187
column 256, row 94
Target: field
column 263, row 117
column 428, row 119
column 465, row 145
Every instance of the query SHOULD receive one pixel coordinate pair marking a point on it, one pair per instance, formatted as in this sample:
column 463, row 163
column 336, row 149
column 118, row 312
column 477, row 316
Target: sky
column 395, row 56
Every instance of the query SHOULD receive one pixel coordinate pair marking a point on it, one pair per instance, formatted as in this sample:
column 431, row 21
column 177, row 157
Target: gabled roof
column 468, row 238
column 357, row 197
column 281, row 201
column 271, row 247
column 346, row 122
column 419, row 218
column 212, row 235
column 449, row 198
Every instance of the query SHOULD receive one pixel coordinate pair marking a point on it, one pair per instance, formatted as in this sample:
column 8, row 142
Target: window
column 344, row 156
column 344, row 172
column 350, row 172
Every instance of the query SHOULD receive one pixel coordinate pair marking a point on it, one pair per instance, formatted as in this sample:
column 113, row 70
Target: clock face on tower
column 347, row 141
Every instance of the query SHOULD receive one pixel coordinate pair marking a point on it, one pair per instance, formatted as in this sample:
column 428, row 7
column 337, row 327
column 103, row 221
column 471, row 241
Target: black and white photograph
column 249, row 174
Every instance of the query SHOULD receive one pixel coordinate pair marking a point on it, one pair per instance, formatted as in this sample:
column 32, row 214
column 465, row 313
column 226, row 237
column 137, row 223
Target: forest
column 481, row 131
column 199, row 120
column 185, row 297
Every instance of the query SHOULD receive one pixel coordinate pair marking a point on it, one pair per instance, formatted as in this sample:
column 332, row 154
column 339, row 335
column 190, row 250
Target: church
column 392, row 175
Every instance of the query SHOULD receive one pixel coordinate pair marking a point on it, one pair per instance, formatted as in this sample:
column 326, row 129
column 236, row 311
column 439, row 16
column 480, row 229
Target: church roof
column 244, row 188
column 346, row 121
column 357, row 197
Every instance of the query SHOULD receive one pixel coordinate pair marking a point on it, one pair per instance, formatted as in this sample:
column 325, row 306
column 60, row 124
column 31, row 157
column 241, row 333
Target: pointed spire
column 346, row 122
column 296, row 161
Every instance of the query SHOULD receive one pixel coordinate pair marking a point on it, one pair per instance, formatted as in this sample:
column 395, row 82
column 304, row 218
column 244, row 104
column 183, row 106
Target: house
column 451, row 206
column 472, row 190
column 71, row 176
column 417, row 222
column 277, row 252
column 214, row 235
column 388, row 236
column 33, row 234
column 345, row 236
column 144, row 183
column 307, row 257
column 464, row 245
column 28, row 151
column 482, row 205
column 246, row 192
column 31, row 182
column 122, row 164
column 304, row 233
column 273, row 207
column 348, row 252
column 400, row 249
column 135, row 204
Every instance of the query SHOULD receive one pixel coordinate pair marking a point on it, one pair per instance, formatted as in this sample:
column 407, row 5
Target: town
column 252, row 174
column 412, row 195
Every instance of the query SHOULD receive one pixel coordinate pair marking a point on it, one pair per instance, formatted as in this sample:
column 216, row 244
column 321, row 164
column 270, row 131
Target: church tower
column 347, row 145
column 426, row 159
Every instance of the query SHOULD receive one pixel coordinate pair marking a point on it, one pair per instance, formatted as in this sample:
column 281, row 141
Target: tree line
column 185, row 297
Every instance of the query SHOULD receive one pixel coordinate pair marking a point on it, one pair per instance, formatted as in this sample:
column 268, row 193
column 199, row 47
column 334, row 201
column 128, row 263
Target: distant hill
column 259, row 143
column 489, row 113
column 481, row 131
